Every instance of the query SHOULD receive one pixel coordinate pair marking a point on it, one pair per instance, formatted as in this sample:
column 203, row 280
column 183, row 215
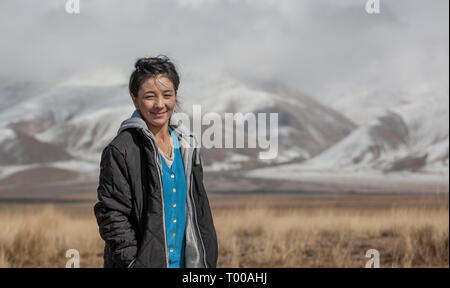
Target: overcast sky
column 316, row 46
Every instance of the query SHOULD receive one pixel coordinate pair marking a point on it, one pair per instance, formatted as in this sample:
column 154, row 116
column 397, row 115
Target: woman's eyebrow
column 153, row 92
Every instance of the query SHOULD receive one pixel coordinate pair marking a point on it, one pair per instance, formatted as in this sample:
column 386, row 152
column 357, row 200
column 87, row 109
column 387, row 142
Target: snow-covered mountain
column 397, row 140
column 409, row 139
column 65, row 126
column 305, row 127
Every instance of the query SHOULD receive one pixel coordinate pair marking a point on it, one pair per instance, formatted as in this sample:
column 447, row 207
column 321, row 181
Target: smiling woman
column 153, row 89
column 153, row 210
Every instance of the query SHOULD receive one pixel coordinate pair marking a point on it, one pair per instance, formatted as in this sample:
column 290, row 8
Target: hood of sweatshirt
column 187, row 139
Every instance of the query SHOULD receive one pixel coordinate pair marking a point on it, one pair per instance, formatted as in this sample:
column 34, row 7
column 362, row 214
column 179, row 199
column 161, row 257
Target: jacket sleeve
column 114, row 206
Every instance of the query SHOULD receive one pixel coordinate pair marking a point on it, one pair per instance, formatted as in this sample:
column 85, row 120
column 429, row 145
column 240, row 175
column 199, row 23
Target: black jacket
column 130, row 209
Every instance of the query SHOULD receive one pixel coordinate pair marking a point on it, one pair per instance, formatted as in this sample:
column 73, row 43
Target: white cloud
column 321, row 47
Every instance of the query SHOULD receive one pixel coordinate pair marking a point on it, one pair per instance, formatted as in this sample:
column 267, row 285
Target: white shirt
column 167, row 159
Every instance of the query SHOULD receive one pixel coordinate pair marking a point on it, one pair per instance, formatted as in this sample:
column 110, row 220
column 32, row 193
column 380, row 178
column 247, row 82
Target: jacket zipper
column 196, row 220
column 164, row 219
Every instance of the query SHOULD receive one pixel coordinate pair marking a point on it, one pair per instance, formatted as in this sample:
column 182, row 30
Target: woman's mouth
column 158, row 115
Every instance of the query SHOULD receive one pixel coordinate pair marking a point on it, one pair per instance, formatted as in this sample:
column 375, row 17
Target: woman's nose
column 159, row 102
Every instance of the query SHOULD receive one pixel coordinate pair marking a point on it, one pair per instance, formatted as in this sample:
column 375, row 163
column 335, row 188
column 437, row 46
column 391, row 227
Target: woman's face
column 156, row 100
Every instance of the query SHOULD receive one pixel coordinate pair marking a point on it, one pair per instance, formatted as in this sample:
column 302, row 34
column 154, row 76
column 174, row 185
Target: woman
column 152, row 207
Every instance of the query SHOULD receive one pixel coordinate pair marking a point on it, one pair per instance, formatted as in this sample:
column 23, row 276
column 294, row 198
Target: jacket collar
column 187, row 139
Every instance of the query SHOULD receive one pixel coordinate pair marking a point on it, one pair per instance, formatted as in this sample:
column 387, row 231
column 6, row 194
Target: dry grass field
column 256, row 231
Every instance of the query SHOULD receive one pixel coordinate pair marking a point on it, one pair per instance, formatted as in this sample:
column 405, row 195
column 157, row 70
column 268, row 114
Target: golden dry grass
column 39, row 237
column 256, row 232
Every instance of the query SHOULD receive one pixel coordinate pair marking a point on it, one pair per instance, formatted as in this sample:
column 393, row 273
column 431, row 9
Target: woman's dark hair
column 149, row 67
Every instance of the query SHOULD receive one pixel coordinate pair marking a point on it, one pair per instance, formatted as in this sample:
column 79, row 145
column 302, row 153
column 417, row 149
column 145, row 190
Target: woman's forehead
column 160, row 82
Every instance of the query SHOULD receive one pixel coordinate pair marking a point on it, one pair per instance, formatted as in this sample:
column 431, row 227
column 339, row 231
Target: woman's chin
column 158, row 122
